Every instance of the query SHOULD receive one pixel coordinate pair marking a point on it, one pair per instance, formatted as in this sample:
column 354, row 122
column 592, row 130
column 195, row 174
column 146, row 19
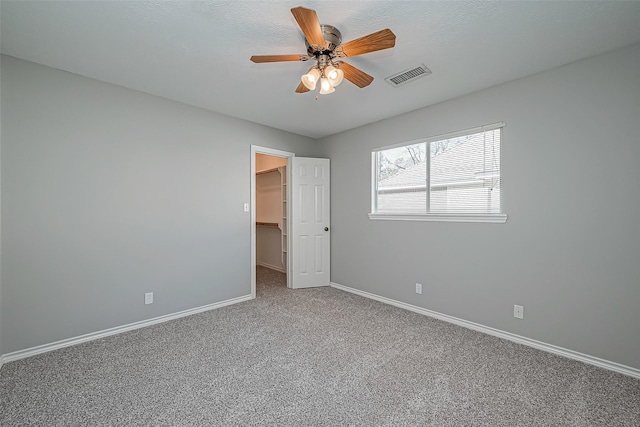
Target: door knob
column 326, row 229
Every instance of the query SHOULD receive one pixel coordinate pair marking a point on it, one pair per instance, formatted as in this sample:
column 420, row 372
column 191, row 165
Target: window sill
column 490, row 218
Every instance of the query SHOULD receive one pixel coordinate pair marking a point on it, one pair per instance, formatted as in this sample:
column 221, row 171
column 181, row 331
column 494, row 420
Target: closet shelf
column 267, row 224
column 267, row 171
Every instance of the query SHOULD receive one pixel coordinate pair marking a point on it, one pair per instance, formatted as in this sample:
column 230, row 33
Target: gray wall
column 570, row 250
column 1, row 137
column 108, row 193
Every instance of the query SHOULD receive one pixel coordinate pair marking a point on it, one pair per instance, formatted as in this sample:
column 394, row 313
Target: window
column 453, row 177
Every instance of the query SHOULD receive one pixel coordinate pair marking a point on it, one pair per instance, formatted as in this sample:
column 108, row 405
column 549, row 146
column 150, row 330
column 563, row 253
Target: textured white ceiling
column 198, row 52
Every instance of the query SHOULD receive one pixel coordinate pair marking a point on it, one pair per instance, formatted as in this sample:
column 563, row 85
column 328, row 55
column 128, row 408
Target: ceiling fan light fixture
column 325, row 86
column 324, row 45
column 335, row 75
column 311, row 78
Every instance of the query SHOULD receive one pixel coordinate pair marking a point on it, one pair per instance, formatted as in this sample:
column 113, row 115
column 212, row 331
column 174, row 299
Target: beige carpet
column 317, row 357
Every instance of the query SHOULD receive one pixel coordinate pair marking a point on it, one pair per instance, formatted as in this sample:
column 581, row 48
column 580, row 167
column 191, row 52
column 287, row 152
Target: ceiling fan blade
column 355, row 76
column 301, row 88
column 383, row 39
column 309, row 24
column 278, row 58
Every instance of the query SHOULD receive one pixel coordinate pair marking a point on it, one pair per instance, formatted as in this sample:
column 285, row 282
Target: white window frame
column 500, row 218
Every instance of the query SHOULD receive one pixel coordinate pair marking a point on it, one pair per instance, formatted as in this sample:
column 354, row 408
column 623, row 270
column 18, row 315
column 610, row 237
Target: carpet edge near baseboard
column 44, row 348
column 550, row 348
column 271, row 267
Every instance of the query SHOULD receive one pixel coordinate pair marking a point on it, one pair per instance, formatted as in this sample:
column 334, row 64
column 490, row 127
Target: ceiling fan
column 324, row 45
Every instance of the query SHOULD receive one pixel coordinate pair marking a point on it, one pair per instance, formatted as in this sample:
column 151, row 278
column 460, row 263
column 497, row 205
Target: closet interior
column 271, row 212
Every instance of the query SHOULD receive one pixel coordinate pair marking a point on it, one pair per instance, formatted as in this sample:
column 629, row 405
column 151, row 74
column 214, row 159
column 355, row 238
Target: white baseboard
column 21, row 354
column 602, row 363
column 272, row 267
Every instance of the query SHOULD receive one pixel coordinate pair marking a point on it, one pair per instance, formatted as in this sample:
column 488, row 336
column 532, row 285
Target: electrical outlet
column 518, row 311
column 148, row 298
column 418, row 288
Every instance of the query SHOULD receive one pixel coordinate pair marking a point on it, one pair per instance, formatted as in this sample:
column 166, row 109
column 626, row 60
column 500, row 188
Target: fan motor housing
column 332, row 38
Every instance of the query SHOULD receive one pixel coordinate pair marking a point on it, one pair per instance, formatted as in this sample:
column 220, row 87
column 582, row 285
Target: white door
column 310, row 225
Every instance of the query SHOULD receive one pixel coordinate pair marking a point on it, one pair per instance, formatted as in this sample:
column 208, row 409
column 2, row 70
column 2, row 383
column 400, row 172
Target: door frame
column 255, row 149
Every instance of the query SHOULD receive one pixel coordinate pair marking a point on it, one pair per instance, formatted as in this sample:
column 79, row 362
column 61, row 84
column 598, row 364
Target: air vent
column 407, row 76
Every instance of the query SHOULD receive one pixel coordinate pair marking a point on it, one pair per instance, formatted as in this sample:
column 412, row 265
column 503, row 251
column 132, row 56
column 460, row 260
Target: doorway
column 269, row 224
column 305, row 221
